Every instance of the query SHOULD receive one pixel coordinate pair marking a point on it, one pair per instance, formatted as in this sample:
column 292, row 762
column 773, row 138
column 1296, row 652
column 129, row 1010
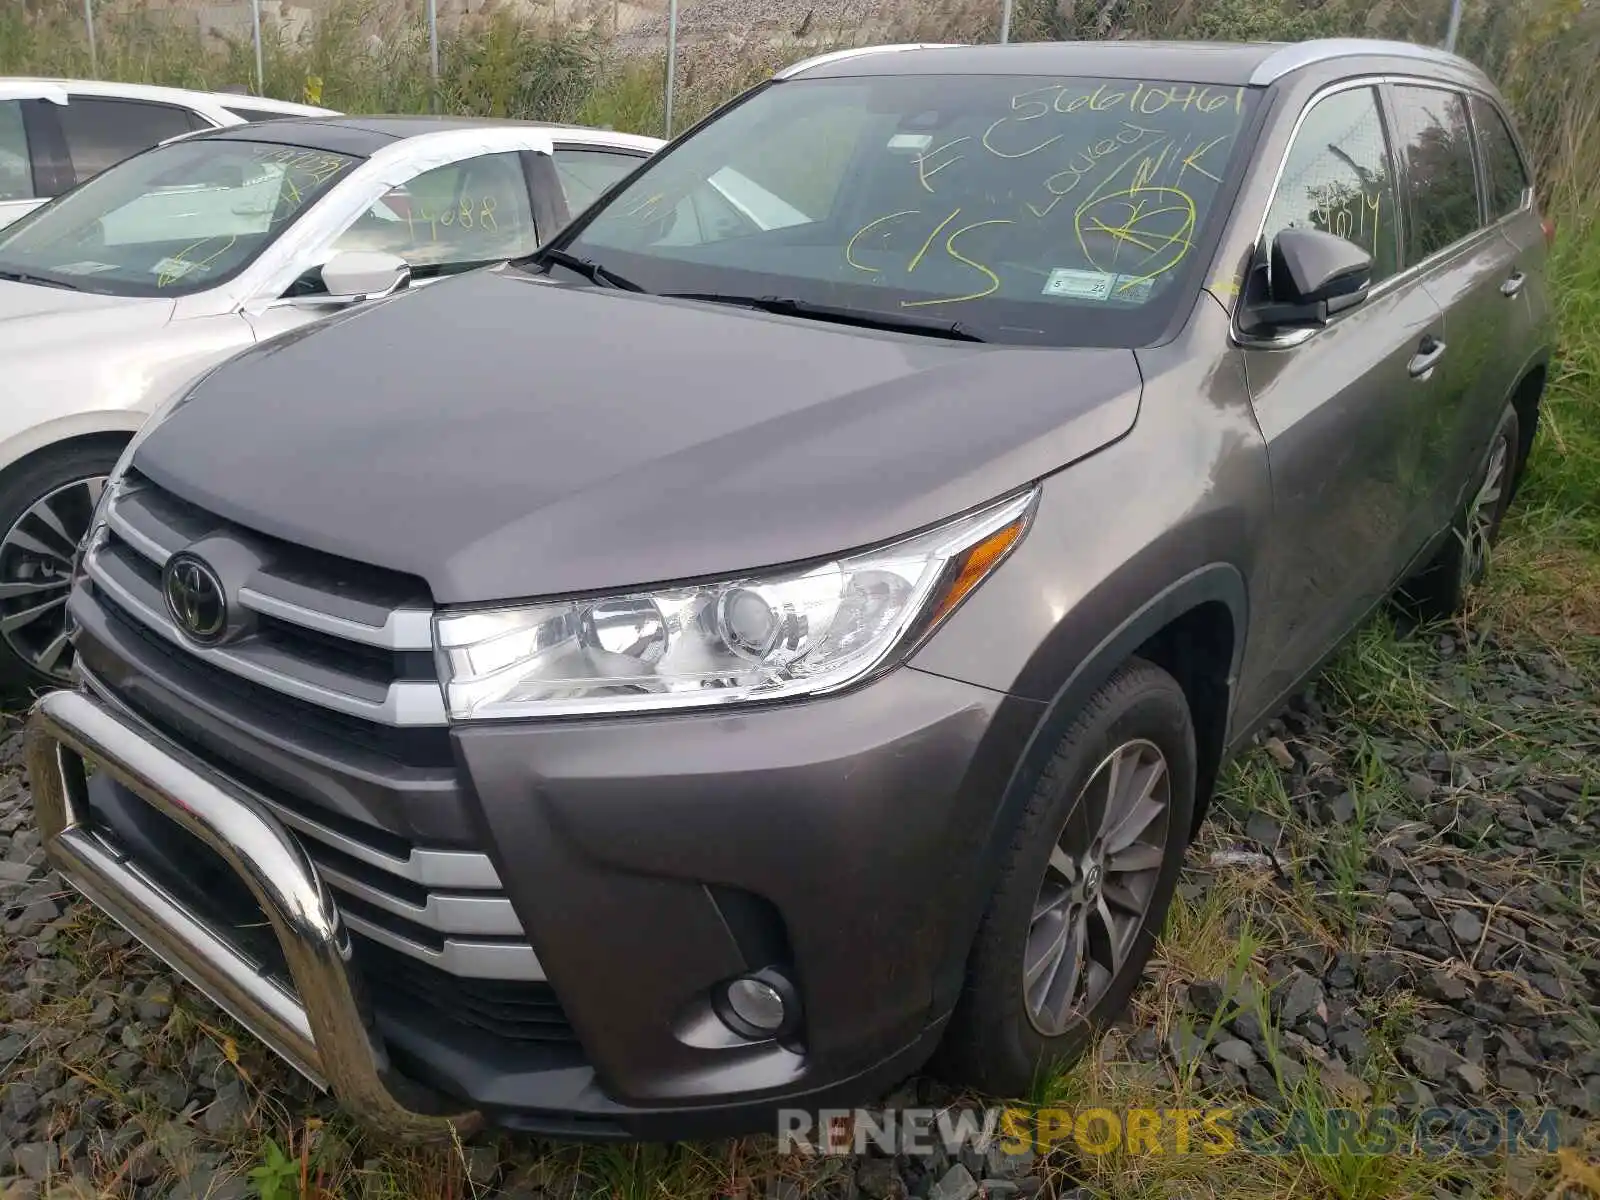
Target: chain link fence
column 650, row 65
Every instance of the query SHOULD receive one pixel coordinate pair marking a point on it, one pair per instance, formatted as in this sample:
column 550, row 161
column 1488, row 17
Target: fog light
column 760, row 1005
column 757, row 1003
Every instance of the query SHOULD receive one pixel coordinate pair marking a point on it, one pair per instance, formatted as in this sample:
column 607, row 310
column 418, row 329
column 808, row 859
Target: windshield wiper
column 591, row 270
column 24, row 277
column 790, row 306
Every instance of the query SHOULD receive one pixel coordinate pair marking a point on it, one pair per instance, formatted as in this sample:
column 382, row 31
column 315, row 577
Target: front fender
column 1123, row 543
column 33, row 438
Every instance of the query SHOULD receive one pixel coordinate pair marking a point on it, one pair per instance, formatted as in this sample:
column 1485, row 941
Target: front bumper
column 322, row 1028
column 647, row 859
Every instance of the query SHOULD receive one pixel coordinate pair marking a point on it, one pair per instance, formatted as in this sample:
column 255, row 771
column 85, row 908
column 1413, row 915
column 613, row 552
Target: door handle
column 1513, row 285
column 1426, row 358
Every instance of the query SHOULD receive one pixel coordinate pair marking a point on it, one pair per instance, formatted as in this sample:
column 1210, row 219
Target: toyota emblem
column 195, row 597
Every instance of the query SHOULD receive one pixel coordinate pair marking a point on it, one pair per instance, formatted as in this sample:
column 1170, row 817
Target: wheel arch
column 51, row 436
column 1192, row 628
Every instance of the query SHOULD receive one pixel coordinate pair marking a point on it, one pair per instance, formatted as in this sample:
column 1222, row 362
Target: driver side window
column 1337, row 179
column 464, row 214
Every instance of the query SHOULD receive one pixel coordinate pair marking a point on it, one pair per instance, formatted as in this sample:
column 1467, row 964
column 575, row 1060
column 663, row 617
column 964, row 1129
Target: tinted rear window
column 1067, row 211
column 1441, row 180
column 1508, row 179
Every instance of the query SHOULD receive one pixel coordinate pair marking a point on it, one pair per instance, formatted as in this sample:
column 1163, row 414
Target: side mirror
column 1314, row 276
column 352, row 276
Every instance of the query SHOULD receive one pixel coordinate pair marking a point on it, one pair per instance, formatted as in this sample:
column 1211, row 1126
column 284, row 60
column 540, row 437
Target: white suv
column 55, row 133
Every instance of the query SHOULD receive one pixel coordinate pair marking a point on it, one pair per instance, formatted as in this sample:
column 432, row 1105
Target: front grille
column 514, row 1010
column 330, row 693
column 324, row 631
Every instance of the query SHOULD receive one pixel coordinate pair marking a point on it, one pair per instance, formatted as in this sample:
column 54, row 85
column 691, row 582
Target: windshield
column 1062, row 211
column 177, row 219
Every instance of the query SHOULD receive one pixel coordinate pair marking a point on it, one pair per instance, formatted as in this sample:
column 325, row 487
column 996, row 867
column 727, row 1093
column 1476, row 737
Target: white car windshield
column 1028, row 209
column 176, row 219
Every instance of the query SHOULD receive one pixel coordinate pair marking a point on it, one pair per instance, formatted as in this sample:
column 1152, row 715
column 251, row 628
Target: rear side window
column 101, row 133
column 1441, row 184
column 1337, row 178
column 16, row 174
column 1502, row 164
column 459, row 215
column 585, row 173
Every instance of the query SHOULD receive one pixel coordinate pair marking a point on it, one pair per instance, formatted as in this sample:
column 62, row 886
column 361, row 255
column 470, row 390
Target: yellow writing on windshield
column 179, row 265
column 1064, row 99
column 1082, row 164
column 924, row 173
column 898, row 265
column 1159, row 221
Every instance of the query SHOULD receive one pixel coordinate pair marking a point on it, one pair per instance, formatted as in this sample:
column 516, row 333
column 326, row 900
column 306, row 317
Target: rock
column 1263, row 831
column 1400, row 905
column 15, row 872
column 209, row 1183
column 1186, row 1046
column 1206, row 998
column 33, row 918
column 1431, row 1059
column 1473, row 1076
column 155, row 1003
column 956, row 1184
column 878, row 1178
column 1467, row 927
column 19, row 1101
column 1248, row 1026
column 1002, row 1165
column 1299, row 998
column 1419, row 787
column 229, row 1111
column 143, row 1164
column 1351, row 1042
column 38, row 1160
column 1235, row 1051
column 1443, row 987
column 1340, row 810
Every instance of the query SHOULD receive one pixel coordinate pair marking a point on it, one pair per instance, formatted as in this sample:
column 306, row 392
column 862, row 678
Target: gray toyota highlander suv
column 786, row 631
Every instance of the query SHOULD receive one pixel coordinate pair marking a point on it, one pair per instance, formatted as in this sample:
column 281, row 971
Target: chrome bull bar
column 323, row 1028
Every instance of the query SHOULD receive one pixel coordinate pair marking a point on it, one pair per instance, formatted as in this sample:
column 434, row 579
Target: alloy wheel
column 1483, row 511
column 1097, row 887
column 36, row 575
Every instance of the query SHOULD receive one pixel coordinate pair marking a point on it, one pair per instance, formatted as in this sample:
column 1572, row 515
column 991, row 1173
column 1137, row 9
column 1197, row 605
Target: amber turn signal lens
column 975, row 565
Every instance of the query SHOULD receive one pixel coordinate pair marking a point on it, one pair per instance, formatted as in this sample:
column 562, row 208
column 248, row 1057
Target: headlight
column 758, row 638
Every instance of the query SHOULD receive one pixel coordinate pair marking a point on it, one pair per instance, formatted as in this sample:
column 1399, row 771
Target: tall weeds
column 372, row 56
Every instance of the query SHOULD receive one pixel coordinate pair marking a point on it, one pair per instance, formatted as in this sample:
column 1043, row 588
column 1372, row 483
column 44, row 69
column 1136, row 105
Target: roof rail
column 805, row 64
column 1303, row 54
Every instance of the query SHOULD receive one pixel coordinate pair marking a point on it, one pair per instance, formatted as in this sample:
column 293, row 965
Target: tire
column 45, row 506
column 1439, row 591
column 1005, row 1031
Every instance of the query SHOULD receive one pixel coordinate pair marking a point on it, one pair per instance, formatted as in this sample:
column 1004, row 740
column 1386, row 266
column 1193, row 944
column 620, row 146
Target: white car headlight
column 757, row 638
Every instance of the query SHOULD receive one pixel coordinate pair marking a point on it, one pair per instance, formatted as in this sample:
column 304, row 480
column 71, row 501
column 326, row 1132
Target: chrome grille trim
column 407, row 703
column 442, row 874
column 466, row 959
column 135, row 537
column 403, row 629
column 483, row 916
column 457, row 870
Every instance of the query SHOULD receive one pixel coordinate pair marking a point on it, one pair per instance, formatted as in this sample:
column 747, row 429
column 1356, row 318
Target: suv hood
column 505, row 436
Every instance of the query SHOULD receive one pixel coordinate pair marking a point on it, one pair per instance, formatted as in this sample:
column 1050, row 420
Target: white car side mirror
column 355, row 275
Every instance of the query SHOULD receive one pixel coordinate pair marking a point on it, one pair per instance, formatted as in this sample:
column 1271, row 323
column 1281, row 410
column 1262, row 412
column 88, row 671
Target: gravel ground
column 1393, row 903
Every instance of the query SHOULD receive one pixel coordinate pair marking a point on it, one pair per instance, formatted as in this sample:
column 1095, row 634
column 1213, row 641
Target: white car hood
column 35, row 317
